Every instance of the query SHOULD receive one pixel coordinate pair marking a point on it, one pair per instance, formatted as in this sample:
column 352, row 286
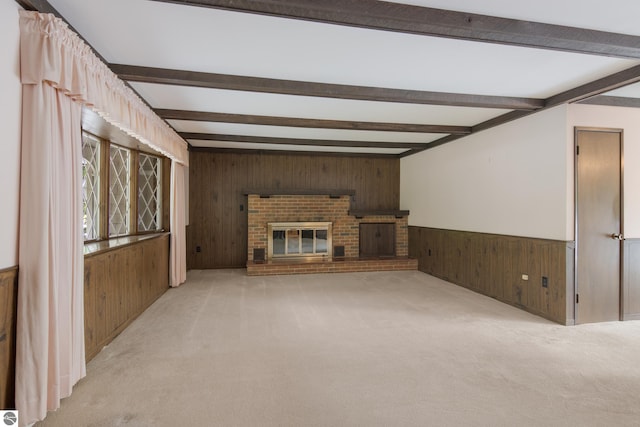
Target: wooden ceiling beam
column 613, row 101
column 134, row 73
column 293, row 153
column 502, row 119
column 404, row 18
column 205, row 116
column 596, row 87
column 297, row 141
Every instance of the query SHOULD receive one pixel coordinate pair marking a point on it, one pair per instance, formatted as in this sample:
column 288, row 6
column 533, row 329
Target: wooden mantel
column 299, row 192
column 387, row 212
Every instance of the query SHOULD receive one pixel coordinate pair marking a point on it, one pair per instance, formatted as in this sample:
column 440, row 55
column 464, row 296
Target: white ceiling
column 630, row 91
column 180, row 37
column 189, row 38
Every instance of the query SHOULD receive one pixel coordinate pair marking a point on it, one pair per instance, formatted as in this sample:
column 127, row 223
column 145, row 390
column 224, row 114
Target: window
column 149, row 203
column 91, row 186
column 122, row 190
column 119, row 200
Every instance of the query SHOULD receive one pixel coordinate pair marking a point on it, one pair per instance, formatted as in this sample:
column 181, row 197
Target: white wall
column 511, row 180
column 10, row 117
column 627, row 119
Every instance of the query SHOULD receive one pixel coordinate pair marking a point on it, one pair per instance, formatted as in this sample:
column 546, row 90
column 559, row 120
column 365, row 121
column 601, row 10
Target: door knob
column 616, row 236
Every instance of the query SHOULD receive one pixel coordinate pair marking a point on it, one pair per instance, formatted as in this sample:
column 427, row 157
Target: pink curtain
column 50, row 341
column 60, row 74
column 178, row 249
column 51, row 52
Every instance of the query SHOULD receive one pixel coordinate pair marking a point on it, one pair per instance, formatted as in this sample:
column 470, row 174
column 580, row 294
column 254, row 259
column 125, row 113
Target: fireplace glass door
column 299, row 239
column 293, row 242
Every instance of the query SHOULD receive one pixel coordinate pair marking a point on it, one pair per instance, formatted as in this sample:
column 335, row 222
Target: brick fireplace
column 333, row 207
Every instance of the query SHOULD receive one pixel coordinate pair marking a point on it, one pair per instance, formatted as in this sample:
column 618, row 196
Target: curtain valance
column 52, row 52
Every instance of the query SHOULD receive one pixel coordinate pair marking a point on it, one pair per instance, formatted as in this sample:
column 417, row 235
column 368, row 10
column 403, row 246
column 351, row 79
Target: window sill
column 94, row 248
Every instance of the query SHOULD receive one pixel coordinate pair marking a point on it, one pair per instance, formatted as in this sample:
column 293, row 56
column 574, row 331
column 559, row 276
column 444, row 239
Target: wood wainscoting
column 631, row 280
column 532, row 274
column 8, row 305
column 119, row 284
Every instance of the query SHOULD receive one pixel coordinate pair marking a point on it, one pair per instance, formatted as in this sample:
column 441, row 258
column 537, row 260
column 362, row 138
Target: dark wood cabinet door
column 377, row 239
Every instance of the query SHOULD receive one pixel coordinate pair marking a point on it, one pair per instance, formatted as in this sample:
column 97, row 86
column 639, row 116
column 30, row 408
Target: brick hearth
column 330, row 266
column 346, row 230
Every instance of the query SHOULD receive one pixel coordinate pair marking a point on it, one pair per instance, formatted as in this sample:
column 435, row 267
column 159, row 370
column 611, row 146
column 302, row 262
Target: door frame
column 620, row 131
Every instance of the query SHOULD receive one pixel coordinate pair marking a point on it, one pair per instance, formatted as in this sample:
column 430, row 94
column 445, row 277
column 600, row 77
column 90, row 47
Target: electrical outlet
column 525, row 277
column 198, row 249
column 545, row 282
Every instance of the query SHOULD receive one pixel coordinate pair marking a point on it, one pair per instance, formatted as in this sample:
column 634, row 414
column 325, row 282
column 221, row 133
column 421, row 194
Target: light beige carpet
column 358, row 349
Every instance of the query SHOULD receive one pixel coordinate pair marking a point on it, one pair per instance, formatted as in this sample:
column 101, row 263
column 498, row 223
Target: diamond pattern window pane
column 149, row 205
column 90, row 186
column 119, row 191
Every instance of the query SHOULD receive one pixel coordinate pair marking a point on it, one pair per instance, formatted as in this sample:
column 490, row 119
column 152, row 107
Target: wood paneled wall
column 218, row 217
column 119, row 285
column 494, row 265
column 631, row 280
column 8, row 303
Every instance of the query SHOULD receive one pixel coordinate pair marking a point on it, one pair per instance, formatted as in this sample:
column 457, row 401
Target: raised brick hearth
column 331, row 266
column 333, row 208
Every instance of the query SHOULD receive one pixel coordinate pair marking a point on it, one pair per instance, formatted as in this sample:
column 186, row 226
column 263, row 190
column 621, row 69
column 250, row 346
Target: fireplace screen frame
column 299, row 226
